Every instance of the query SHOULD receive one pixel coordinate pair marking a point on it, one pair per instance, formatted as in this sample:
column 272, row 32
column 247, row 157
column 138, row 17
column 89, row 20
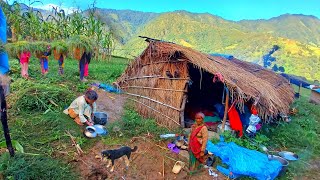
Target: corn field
column 30, row 24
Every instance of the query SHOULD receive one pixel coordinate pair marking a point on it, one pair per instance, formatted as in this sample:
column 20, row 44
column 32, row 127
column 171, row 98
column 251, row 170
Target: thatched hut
column 168, row 78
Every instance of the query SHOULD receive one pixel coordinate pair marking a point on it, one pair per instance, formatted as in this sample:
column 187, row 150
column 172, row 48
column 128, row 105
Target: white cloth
column 81, row 107
column 254, row 120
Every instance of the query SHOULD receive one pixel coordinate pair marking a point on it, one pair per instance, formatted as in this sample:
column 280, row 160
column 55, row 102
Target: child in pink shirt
column 24, row 62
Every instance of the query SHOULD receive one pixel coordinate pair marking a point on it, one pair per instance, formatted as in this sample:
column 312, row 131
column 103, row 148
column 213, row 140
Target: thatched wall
column 160, row 97
column 155, row 95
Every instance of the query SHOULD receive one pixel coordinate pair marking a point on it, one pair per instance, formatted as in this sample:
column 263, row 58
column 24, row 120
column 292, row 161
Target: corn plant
column 31, row 25
column 13, row 14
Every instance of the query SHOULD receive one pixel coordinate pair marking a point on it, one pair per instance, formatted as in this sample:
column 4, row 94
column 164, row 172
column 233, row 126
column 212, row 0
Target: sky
column 227, row 9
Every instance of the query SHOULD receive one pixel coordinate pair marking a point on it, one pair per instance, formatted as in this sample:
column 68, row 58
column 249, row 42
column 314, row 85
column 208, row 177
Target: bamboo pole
column 225, row 110
column 154, row 110
column 157, row 76
column 141, row 87
column 183, row 105
column 159, row 62
column 144, row 97
column 4, row 121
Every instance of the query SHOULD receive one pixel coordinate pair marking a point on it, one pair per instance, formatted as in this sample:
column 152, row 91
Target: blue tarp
column 109, row 88
column 296, row 80
column 246, row 162
column 4, row 60
column 227, row 56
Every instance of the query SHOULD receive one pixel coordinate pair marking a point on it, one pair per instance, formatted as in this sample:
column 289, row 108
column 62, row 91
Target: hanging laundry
column 218, row 78
column 235, row 121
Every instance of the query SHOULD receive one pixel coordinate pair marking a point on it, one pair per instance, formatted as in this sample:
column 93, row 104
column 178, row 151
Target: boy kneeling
column 82, row 108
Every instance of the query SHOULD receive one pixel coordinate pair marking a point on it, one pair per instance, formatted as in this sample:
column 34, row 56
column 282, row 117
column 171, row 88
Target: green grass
column 26, row 167
column 39, row 126
column 300, row 136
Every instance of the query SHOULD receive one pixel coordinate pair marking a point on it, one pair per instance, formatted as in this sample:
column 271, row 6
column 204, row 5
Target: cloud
column 49, row 7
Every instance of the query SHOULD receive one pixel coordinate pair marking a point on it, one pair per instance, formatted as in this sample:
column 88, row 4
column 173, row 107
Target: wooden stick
column 159, row 62
column 225, row 111
column 77, row 146
column 140, row 87
column 52, row 102
column 162, row 147
column 154, row 110
column 163, row 167
column 144, row 97
column 183, row 105
column 157, row 76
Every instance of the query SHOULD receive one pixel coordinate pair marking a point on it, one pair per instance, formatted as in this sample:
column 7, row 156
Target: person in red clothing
column 197, row 142
column 24, row 62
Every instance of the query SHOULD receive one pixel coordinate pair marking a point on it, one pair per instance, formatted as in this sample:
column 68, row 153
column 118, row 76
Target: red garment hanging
column 235, row 121
column 254, row 110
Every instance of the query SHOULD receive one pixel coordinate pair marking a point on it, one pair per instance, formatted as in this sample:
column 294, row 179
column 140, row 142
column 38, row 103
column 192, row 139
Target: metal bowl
column 289, row 155
column 90, row 132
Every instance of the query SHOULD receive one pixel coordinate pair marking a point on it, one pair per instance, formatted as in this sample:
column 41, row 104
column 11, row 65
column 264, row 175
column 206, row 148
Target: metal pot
column 226, row 127
column 100, row 118
column 90, row 132
column 289, row 155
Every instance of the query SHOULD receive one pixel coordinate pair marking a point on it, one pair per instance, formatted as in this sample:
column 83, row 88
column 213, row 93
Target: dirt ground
column 111, row 103
column 151, row 161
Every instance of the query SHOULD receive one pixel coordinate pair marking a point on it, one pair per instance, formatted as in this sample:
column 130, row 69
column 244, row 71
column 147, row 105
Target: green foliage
column 259, row 140
column 27, row 167
column 40, row 97
column 42, row 131
column 133, row 125
column 39, row 46
column 301, row 136
column 82, row 42
column 31, row 24
column 16, row 145
column 16, row 48
column 60, row 46
column 211, row 34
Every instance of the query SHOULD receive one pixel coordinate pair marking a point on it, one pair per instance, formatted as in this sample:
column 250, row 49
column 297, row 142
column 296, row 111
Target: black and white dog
column 111, row 155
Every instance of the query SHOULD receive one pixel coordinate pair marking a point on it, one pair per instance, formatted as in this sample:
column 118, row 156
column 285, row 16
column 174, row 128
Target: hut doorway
column 203, row 96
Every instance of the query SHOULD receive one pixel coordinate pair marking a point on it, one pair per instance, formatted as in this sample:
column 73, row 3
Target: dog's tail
column 134, row 149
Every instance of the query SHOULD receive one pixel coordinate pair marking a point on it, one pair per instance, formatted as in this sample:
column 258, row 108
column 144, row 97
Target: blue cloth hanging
column 4, row 59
